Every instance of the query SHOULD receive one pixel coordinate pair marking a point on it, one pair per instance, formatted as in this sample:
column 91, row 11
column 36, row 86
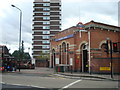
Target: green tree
column 23, row 55
column 15, row 54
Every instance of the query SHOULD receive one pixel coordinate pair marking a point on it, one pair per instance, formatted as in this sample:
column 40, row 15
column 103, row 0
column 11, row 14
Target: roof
column 93, row 24
column 101, row 25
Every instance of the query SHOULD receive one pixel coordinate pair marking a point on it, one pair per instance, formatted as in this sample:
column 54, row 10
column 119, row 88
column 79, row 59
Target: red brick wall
column 98, row 58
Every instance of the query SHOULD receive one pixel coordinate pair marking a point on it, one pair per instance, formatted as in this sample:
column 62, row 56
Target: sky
column 73, row 11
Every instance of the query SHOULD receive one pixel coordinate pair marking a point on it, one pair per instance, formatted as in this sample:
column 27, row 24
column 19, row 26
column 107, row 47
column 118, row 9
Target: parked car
column 2, row 68
column 27, row 65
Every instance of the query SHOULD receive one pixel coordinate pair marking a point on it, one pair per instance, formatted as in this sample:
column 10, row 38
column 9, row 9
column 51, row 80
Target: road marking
column 23, row 85
column 70, row 84
column 3, row 82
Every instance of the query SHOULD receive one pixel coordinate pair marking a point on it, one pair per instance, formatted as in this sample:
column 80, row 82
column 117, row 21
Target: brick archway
column 84, row 56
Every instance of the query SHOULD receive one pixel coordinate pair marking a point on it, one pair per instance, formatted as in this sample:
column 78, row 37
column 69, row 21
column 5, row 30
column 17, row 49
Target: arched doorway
column 84, row 58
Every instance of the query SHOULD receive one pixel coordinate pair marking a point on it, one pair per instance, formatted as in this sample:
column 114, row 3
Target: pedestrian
column 8, row 68
column 13, row 66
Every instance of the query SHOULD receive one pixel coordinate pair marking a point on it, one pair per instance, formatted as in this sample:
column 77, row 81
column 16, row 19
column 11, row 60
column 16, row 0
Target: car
column 2, row 68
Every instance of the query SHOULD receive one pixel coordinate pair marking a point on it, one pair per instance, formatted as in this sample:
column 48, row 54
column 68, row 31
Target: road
column 51, row 81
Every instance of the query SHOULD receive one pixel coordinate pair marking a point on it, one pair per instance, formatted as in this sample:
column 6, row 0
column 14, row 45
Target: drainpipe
column 89, row 38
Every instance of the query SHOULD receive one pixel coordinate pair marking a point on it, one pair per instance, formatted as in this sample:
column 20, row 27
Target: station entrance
column 84, row 59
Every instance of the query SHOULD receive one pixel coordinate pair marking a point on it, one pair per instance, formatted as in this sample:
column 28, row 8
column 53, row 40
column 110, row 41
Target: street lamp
column 20, row 32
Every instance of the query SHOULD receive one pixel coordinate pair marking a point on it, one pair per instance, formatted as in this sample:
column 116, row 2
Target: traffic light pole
column 111, row 65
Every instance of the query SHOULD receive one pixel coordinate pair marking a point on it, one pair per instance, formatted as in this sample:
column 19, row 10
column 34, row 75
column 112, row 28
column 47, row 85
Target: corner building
column 46, row 23
column 84, row 49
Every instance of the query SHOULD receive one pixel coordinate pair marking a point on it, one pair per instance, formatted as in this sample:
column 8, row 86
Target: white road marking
column 70, row 84
column 3, row 82
column 23, row 85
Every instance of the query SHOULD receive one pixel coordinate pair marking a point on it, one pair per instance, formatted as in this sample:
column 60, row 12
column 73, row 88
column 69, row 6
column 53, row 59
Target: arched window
column 67, row 54
column 64, row 46
column 85, row 47
column 103, row 47
column 60, row 53
column 67, row 47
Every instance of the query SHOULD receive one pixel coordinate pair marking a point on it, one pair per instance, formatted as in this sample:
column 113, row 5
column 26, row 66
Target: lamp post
column 19, row 32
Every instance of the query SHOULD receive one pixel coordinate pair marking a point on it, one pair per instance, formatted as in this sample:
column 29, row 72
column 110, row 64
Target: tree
column 23, row 55
column 15, row 54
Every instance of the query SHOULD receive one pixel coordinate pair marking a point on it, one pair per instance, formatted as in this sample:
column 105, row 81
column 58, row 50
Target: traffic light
column 115, row 49
column 106, row 47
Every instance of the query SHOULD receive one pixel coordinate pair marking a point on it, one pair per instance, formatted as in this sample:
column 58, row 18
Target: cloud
column 10, row 23
column 105, row 12
column 78, row 1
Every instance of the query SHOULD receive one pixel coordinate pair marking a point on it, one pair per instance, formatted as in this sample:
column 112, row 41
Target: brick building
column 82, row 48
column 4, row 52
column 46, row 23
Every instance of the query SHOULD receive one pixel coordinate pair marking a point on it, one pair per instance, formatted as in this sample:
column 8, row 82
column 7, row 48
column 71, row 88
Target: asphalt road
column 48, row 81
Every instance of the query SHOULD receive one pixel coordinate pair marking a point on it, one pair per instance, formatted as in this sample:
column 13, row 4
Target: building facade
column 92, row 47
column 4, row 52
column 46, row 23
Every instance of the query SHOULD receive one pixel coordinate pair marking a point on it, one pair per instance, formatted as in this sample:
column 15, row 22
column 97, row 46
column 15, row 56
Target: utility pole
column 111, row 65
column 107, row 50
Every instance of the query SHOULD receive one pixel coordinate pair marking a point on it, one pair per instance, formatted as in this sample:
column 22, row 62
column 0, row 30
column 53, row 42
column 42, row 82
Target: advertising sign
column 105, row 69
column 56, row 60
column 71, row 61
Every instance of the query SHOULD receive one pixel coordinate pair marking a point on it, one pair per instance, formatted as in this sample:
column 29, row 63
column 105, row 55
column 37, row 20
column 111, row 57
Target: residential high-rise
column 46, row 23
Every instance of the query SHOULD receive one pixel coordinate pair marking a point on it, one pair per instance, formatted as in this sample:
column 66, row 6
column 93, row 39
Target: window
column 46, row 9
column 46, row 32
column 46, row 41
column 46, row 27
column 46, row 46
column 45, row 51
column 46, row 13
column 46, row 18
column 46, row 0
column 45, row 37
column 64, row 46
column 46, row 22
column 46, row 4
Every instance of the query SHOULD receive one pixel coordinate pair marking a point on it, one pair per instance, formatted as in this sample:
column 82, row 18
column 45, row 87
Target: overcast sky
column 73, row 11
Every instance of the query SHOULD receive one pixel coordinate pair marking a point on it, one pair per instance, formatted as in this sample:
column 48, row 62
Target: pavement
column 91, row 76
column 51, row 71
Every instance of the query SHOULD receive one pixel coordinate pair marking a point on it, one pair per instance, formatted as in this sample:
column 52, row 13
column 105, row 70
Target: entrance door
column 85, row 60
